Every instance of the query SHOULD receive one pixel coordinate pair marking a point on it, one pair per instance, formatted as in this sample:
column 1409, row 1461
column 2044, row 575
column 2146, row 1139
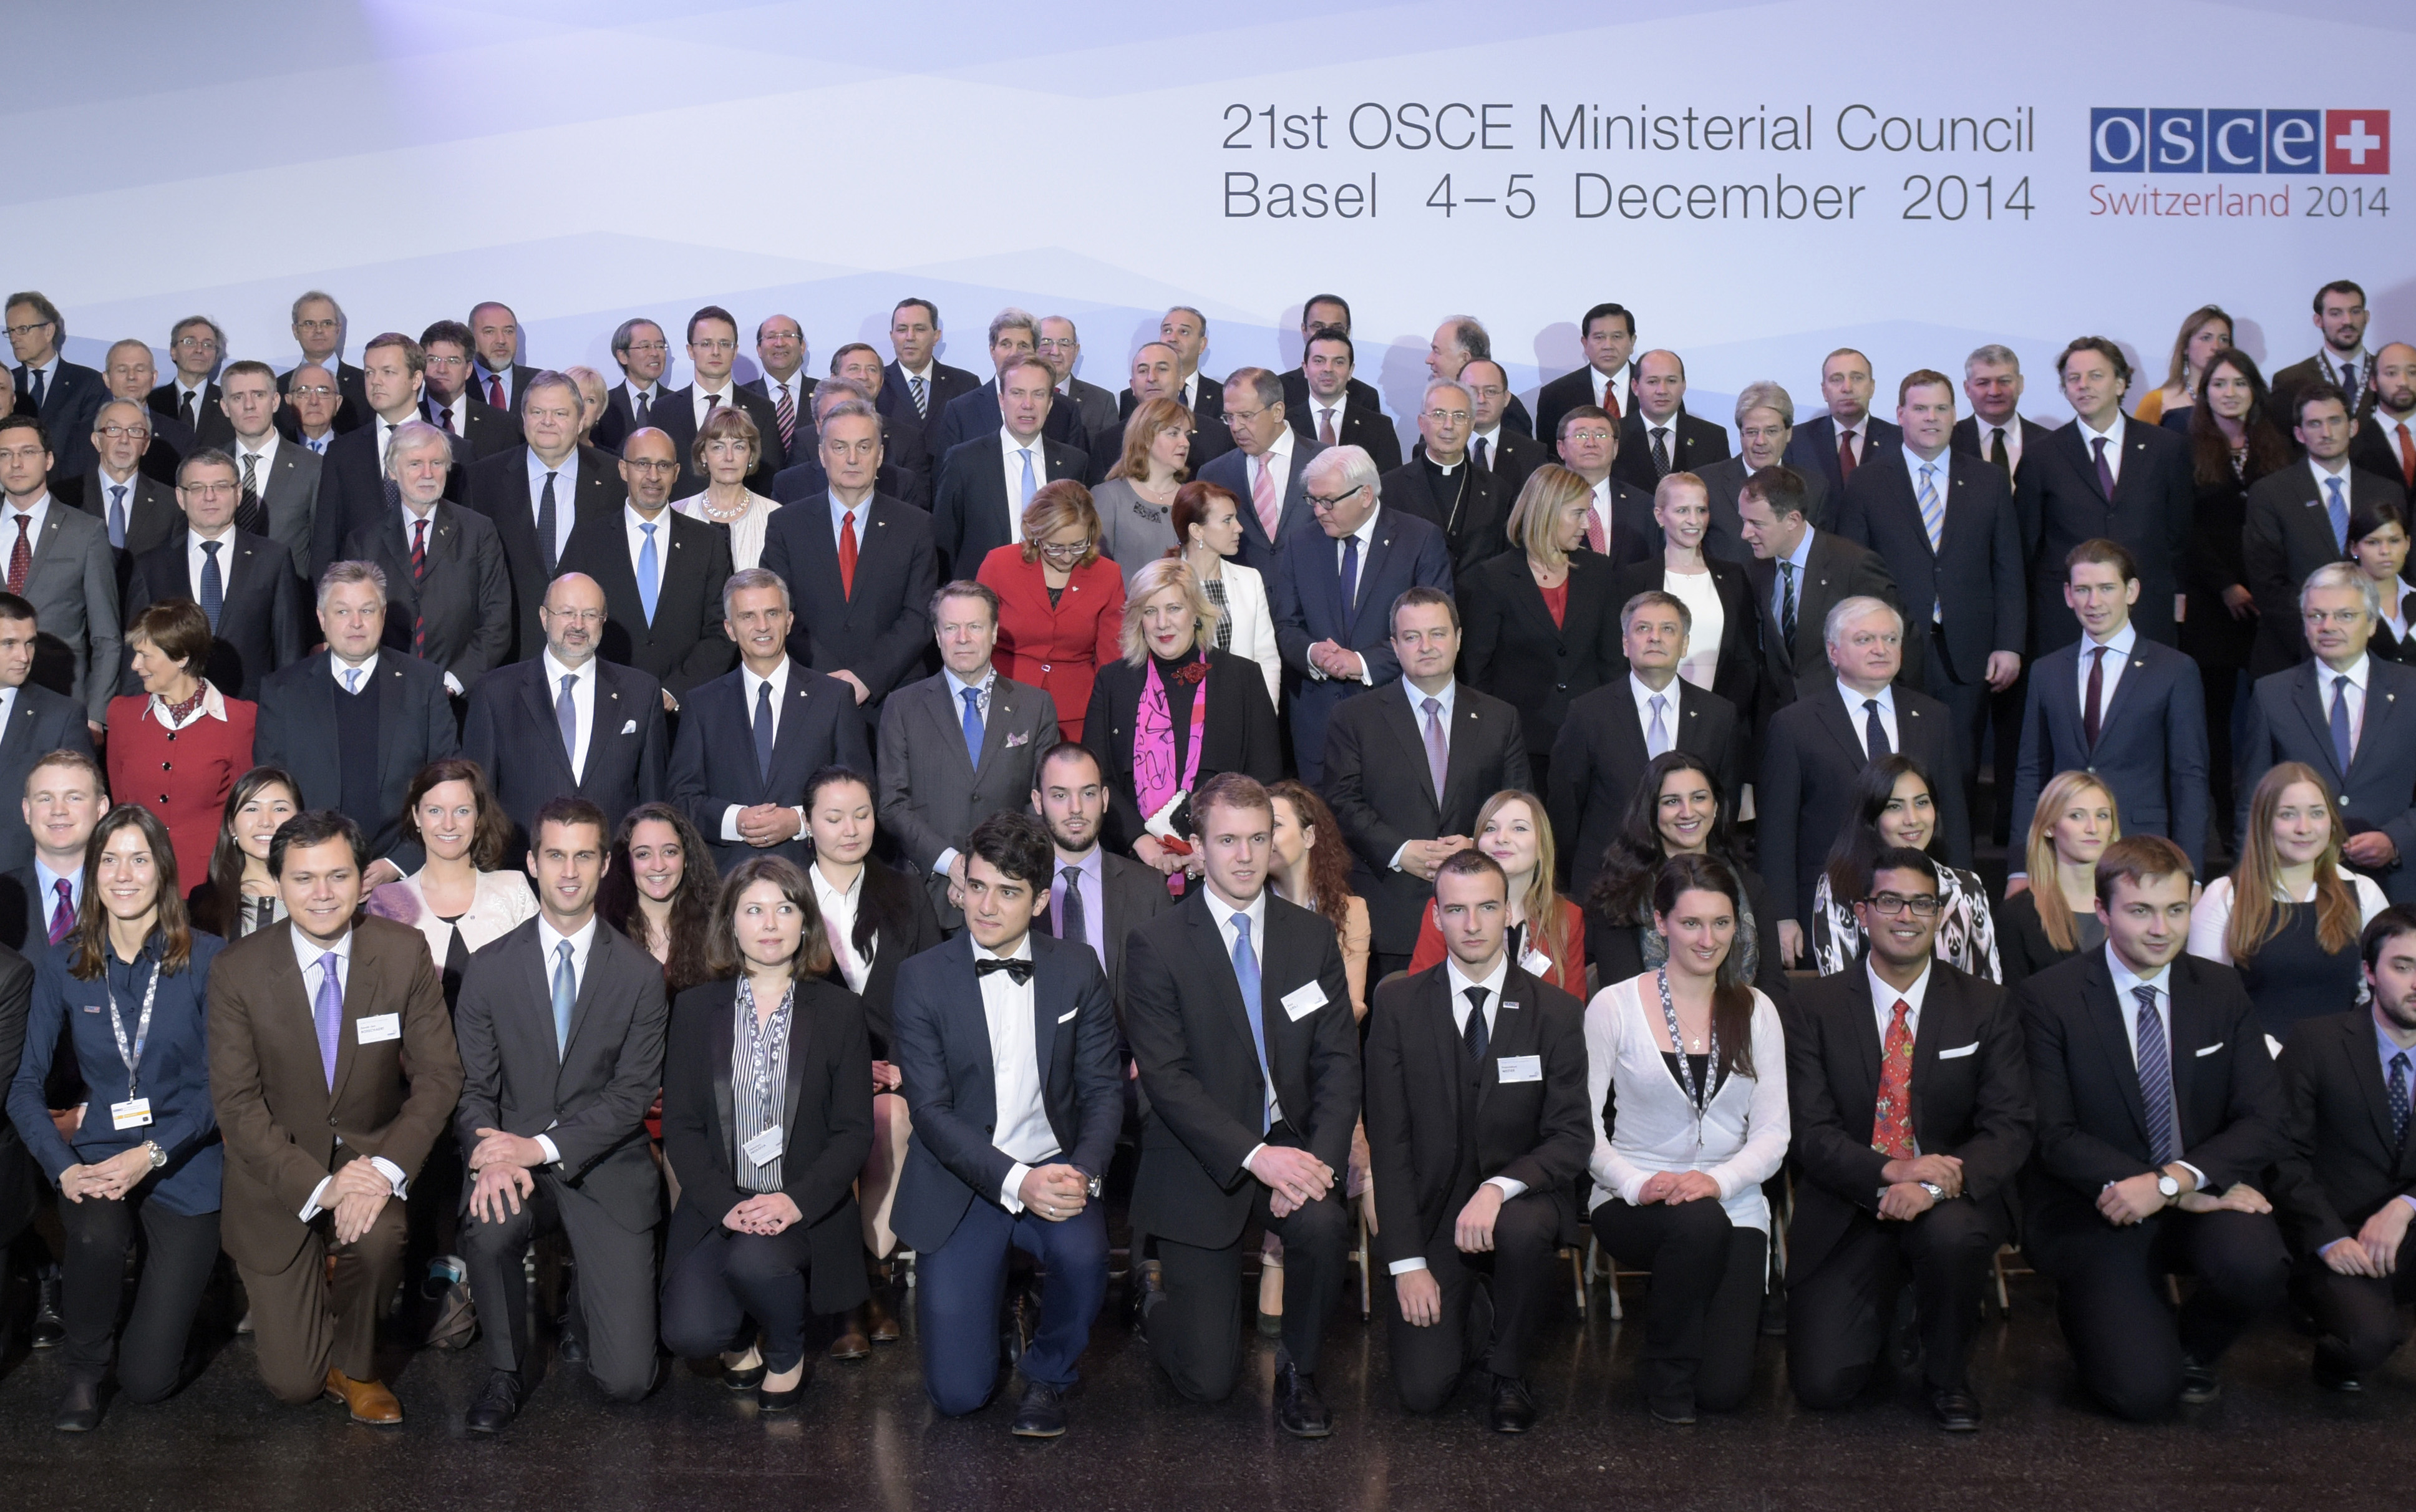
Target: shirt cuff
column 1395, row 862
column 2200, row 1176
column 1402, row 1267
column 1366, row 673
column 730, row 826
column 552, row 1154
column 2406, row 1197
column 2322, row 1250
column 1253, row 1155
column 1010, row 1190
column 1508, row 1186
column 311, row 1209
column 946, row 859
column 393, row 1174
column 453, row 685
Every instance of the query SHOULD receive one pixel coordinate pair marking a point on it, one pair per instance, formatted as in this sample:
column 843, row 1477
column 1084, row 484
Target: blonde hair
column 1053, row 507
column 2256, row 914
column 1153, row 579
column 1542, row 902
column 1536, row 518
column 2047, row 880
column 1141, row 434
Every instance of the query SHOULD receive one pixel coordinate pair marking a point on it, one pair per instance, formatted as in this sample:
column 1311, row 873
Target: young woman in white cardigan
column 1687, row 1076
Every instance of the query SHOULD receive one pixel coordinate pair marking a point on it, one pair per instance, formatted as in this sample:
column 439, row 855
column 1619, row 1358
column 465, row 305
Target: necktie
column 35, row 389
column 2407, row 455
column 1594, row 542
column 1891, row 1117
column 847, row 554
column 213, row 587
column 1349, row 573
column 566, row 714
column 63, row 916
column 418, row 574
column 1933, row 513
column 327, row 1015
column 1018, row 972
column 922, row 397
column 1875, row 740
column 650, row 572
column 1246, row 975
column 785, row 411
column 249, row 515
column 972, row 725
column 566, row 990
column 1071, row 924
column 1326, row 429
column 495, row 391
column 1478, row 452
column 764, row 730
column 445, row 418
column 2092, row 708
column 2156, row 1081
column 2337, row 507
column 1029, row 487
column 1610, row 400
column 21, row 556
column 637, row 410
column 1476, row 1036
column 117, row 506
column 1786, row 606
column 1264, row 498
column 1996, row 446
column 711, row 400
column 352, row 680
column 185, row 408
column 2398, row 1090
column 1438, row 748
column 2348, row 384
column 2105, row 473
column 2344, row 743
column 1657, row 739
column 549, row 526
column 1661, row 450
column 1845, row 454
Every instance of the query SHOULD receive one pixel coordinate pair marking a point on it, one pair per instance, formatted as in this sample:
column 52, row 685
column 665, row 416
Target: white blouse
column 1701, row 597
column 1739, row 1139
column 502, row 903
column 2211, row 918
column 746, row 532
column 1254, row 625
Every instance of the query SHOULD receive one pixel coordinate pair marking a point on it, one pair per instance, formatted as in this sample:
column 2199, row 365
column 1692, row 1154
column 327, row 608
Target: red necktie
column 1845, row 454
column 418, row 572
column 445, row 418
column 495, row 391
column 847, row 554
column 2407, row 456
column 1594, row 531
column 1610, row 400
column 1892, row 1119
column 21, row 556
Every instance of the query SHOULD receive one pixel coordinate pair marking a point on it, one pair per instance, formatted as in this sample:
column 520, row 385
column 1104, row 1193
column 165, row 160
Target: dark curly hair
column 1329, row 859
column 1622, row 890
column 691, row 920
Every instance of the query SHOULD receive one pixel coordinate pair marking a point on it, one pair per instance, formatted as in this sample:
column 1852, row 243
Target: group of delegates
column 818, row 819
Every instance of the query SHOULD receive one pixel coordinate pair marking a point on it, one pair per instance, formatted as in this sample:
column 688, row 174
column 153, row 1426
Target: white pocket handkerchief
column 1068, row 1016
column 629, row 728
column 1960, row 1052
column 1021, row 737
column 2210, row 1049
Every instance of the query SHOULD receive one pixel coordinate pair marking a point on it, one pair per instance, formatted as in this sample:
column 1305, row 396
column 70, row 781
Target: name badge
column 1519, row 1068
column 765, row 1147
column 380, row 1027
column 134, row 1112
column 1302, row 1000
column 1535, row 963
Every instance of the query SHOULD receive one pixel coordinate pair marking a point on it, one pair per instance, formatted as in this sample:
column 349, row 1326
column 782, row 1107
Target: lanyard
column 1678, row 1043
column 132, row 1055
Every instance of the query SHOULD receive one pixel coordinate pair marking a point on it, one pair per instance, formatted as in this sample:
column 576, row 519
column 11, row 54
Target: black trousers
column 1968, row 705
column 2357, row 1317
column 1837, row 1317
column 1704, row 1310
column 2122, row 1331
column 731, row 1277
column 1516, row 1277
column 1195, row 1328
column 615, row 1284
column 179, row 1251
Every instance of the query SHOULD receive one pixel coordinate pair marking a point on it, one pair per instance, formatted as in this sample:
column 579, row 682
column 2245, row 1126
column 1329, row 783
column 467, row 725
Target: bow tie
column 1018, row 972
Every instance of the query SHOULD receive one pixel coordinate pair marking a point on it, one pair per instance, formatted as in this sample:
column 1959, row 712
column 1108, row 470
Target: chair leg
column 2004, row 1297
column 1577, row 1272
column 1366, row 1270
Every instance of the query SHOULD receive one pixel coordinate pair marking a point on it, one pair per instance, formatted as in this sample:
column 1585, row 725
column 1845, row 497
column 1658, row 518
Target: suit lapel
column 2380, row 705
column 361, row 978
column 2125, row 692
column 1208, row 937
column 1046, row 968
column 541, row 712
column 801, row 1038
column 790, row 731
column 2075, row 450
column 1870, row 1064
column 1841, row 728
column 2305, row 693
column 1435, row 1005
column 2106, row 1014
column 1006, row 707
column 1459, row 771
column 1393, row 701
column 599, row 963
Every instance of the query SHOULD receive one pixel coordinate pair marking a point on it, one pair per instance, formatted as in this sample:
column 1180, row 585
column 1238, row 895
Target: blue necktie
column 1245, row 973
column 566, row 989
column 2342, row 750
column 1350, row 574
column 764, row 730
column 2156, row 1081
column 1028, row 486
column 2397, row 1089
column 649, row 574
column 33, row 390
column 213, row 587
column 2338, row 510
column 972, row 725
column 566, row 714
column 117, row 515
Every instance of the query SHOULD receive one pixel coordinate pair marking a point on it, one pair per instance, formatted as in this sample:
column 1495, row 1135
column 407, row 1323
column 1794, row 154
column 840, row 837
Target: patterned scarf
column 1157, row 782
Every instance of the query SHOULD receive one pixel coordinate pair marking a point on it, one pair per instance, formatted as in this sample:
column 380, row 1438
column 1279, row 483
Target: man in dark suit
column 2342, row 361
column 1014, row 337
column 2157, row 1107
column 665, row 613
column 1836, row 442
column 188, row 407
column 1441, row 486
column 680, row 413
column 780, row 352
column 1408, row 767
column 1264, row 471
column 451, row 600
column 454, row 404
column 61, row 798
column 1620, row 522
column 352, row 723
column 1327, row 314
column 2385, row 442
column 1007, row 1046
column 63, row 396
column 1239, row 1017
column 333, row 1069
column 245, row 584
column 535, row 495
column 139, row 511
column 862, row 566
column 1117, row 894
column 1798, row 574
column 33, row 722
column 1912, row 1109
column 2145, row 738
column 2348, row 1184
column 59, row 561
column 1477, row 1132
column 1505, row 455
column 1947, row 532
column 919, row 386
column 1995, row 430
column 561, row 1031
column 1154, row 376
column 1765, row 425
column 749, row 738
column 1610, row 735
column 1659, row 437
column 279, row 480
column 1813, row 751
column 353, row 489
column 1325, row 403
column 642, row 352
column 1608, row 337
column 1184, row 331
column 127, row 373
column 2103, row 476
column 568, row 722
column 959, row 746
column 899, row 476
column 496, row 372
column 985, row 482
column 319, row 331
column 1333, row 595
column 2350, row 717
column 2298, row 520
column 1459, row 341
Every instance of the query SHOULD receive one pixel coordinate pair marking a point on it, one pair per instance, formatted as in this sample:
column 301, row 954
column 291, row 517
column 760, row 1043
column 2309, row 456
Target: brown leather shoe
column 851, row 1344
column 367, row 1400
column 882, row 1323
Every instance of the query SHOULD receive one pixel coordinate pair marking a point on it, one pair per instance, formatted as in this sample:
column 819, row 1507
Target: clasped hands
column 2136, row 1199
column 1295, row 1178
column 1675, row 1186
column 765, row 1213
column 1335, row 660
column 1906, row 1198
column 768, row 823
column 1422, row 859
column 1054, row 1192
column 2374, row 1250
column 110, row 1179
column 501, row 1163
column 359, row 1191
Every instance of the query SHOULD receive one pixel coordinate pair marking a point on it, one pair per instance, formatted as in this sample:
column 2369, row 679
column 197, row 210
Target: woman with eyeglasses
column 1061, row 605
column 1893, row 806
column 240, row 897
column 727, row 450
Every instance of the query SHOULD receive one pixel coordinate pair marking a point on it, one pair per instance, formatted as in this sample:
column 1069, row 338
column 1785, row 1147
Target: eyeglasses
column 649, row 348
column 1234, row 418
column 1891, row 905
column 1064, row 550
column 717, row 344
column 29, row 329
column 319, row 390
column 641, row 464
column 1319, row 501
column 210, row 491
column 192, row 343
column 316, row 325
column 140, row 432
column 580, row 617
column 2343, row 617
column 1596, row 436
column 435, row 361
column 1447, row 417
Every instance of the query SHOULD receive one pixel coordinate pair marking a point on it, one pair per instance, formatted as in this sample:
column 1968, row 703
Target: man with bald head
column 1440, row 485
column 566, row 722
column 661, row 571
column 1459, row 341
column 1659, row 437
column 495, row 368
column 1836, row 442
column 1060, row 347
column 1154, row 375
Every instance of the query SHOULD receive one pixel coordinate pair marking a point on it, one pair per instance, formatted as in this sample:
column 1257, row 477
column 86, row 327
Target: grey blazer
column 291, row 496
column 931, row 795
column 1098, row 407
column 1133, row 531
column 72, row 586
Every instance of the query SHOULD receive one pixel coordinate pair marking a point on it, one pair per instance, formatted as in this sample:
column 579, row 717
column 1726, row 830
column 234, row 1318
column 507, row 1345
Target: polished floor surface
column 867, row 1438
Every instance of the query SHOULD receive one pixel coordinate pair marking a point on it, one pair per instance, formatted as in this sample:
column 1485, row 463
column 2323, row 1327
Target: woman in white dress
column 1208, row 522
column 727, row 449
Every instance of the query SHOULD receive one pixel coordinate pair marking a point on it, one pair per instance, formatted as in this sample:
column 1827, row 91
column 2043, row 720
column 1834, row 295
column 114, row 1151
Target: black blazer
column 970, row 513
column 1835, row 570
column 1694, row 443
column 40, row 722
column 2288, row 533
column 1569, row 391
column 1428, row 1106
column 2339, row 1161
column 152, row 513
column 673, row 413
column 1813, row 448
column 897, row 401
column 1976, row 572
column 2219, row 523
column 351, row 413
column 261, row 622
column 1134, row 893
column 684, row 645
column 590, row 1097
column 1240, row 735
column 511, row 733
column 613, row 427
column 1737, row 676
column 20, row 1184
column 2060, row 507
column 485, row 429
column 1230, row 470
column 826, row 1118
column 463, row 603
column 2375, row 449
column 1472, row 525
column 972, row 415
column 1970, row 1099
column 296, row 730
column 949, row 1079
column 1356, row 393
column 895, row 921
column 1191, row 1034
column 2286, row 723
column 2021, row 941
column 1811, row 755
column 1512, row 649
column 210, row 427
column 1378, row 783
column 2092, row 1124
column 1969, row 439
column 1510, row 456
column 498, row 488
column 713, row 761
column 1363, row 423
column 354, row 491
column 1599, row 758
column 883, row 630
column 70, row 403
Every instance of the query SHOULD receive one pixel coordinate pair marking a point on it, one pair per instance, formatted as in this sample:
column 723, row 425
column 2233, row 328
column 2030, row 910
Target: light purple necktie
column 1438, row 753
column 327, row 1009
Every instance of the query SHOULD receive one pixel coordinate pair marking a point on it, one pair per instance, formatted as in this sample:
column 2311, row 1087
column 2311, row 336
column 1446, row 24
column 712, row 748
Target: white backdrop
column 585, row 161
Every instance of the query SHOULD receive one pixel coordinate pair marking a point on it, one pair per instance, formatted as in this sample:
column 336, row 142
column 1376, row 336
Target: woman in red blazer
column 177, row 748
column 1511, row 829
column 1061, row 605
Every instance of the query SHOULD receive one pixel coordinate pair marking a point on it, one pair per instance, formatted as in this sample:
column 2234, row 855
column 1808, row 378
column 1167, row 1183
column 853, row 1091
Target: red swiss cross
column 2357, row 142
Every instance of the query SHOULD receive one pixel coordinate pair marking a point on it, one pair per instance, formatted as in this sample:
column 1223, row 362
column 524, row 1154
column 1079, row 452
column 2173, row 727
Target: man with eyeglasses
column 1440, row 485
column 1505, row 455
column 642, row 352
column 1264, row 472
column 319, row 331
column 188, row 403
column 985, row 482
column 138, row 511
column 1153, row 369
column 661, row 571
column 1910, row 1097
column 780, row 351
column 1619, row 520
column 312, row 402
column 679, row 414
column 2351, row 716
column 1014, row 337
column 62, row 395
column 58, row 559
column 1061, row 346
column 244, row 581
column 496, row 372
column 1765, row 423
column 1325, row 403
column 129, row 374
column 454, row 404
column 536, row 493
column 353, row 486
column 2298, row 518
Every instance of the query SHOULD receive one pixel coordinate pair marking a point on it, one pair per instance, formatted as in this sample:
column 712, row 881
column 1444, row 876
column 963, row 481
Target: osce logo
column 2137, row 139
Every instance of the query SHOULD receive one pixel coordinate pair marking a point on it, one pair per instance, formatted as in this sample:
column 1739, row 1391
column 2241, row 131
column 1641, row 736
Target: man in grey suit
column 138, row 510
column 1765, row 423
column 33, row 722
column 1264, row 442
column 1118, row 894
column 451, row 594
column 561, row 1028
column 57, row 558
column 1060, row 347
column 280, row 478
column 934, row 787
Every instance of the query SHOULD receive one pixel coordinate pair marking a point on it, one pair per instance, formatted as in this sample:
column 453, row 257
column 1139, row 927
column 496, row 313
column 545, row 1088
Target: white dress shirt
column 840, row 509
column 33, row 514
column 706, row 402
column 1614, row 383
column 838, row 906
column 1600, row 508
column 307, row 953
column 2113, row 435
column 2328, row 684
column 1366, row 537
column 2012, row 450
column 583, row 705
column 2326, row 474
column 198, row 393
column 747, row 684
column 1457, row 983
column 566, row 495
column 796, row 386
column 1025, row 1135
column 1328, row 411
column 459, row 410
column 1277, row 464
column 2126, row 983
column 262, row 452
column 367, row 671
column 195, row 558
column 1779, row 588
column 1856, row 715
column 633, row 528
column 1883, row 1001
column 2118, row 656
column 1011, row 463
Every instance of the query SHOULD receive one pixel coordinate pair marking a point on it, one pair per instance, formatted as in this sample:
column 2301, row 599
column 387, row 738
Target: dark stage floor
column 867, row 1438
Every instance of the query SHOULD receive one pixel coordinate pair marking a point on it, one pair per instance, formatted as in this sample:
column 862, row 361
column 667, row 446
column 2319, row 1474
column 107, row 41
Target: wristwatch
column 1098, row 1186
column 2168, row 1186
column 1937, row 1193
column 158, row 1155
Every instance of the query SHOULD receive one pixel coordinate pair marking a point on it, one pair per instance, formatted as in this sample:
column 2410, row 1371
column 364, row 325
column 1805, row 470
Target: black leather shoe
column 768, row 1400
column 2199, row 1384
column 1676, row 1408
column 1041, row 1415
column 571, row 1349
column 2340, row 1380
column 1513, row 1410
column 1957, row 1412
column 50, row 1329
column 1299, row 1410
column 80, row 1408
column 747, row 1380
column 497, row 1405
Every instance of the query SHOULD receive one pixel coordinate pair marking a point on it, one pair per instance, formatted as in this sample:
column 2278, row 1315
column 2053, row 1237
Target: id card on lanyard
column 135, row 1111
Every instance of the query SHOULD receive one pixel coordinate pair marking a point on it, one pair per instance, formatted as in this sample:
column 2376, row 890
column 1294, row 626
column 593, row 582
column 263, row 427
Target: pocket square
column 1021, row 737
column 1068, row 1017
column 629, row 728
column 2210, row 1049
column 1960, row 1052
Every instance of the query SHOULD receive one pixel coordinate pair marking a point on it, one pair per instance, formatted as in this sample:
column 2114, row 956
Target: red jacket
column 182, row 776
column 1062, row 646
